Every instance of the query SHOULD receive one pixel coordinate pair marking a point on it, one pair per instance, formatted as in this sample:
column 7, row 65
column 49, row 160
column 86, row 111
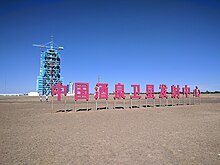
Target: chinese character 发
column 81, row 91
column 119, row 91
column 163, row 91
column 59, row 90
column 101, row 91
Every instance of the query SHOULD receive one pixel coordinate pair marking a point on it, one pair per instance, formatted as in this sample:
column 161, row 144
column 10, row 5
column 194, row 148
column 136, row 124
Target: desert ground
column 31, row 133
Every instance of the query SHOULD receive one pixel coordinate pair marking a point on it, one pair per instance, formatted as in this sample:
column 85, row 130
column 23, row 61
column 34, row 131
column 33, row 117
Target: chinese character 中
column 59, row 90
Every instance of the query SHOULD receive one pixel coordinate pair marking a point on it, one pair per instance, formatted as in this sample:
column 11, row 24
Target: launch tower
column 49, row 67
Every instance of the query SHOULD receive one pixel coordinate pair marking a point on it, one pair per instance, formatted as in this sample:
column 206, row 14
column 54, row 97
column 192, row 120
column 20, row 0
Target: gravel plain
column 184, row 134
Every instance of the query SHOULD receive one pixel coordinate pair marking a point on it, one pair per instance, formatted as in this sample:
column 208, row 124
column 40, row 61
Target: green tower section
column 49, row 68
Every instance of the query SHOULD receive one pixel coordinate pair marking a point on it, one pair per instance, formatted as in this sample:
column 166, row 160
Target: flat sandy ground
column 185, row 134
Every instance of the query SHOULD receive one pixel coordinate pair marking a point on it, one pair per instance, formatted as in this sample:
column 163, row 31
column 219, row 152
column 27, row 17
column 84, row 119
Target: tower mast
column 49, row 67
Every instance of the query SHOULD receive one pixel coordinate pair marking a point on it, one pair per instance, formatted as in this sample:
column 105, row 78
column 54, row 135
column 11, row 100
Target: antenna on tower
column 98, row 78
column 5, row 87
column 51, row 42
column 50, row 45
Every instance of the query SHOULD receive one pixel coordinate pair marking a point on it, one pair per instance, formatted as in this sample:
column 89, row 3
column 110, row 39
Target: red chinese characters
column 149, row 91
column 136, row 94
column 163, row 91
column 101, row 91
column 186, row 91
column 59, row 90
column 196, row 92
column 119, row 91
column 81, row 91
column 175, row 91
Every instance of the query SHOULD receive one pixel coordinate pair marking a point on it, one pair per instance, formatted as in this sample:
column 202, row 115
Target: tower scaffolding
column 49, row 67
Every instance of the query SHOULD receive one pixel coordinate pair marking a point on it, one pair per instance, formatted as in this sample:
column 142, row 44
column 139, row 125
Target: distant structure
column 33, row 94
column 70, row 88
column 11, row 94
column 49, row 67
column 98, row 78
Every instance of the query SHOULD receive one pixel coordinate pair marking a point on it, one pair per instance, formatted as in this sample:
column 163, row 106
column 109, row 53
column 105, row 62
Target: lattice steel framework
column 49, row 68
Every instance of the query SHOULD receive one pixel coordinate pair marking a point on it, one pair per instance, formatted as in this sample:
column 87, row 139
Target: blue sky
column 127, row 41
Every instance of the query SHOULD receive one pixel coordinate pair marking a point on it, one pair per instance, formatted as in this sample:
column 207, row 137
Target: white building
column 70, row 88
column 33, row 94
column 11, row 94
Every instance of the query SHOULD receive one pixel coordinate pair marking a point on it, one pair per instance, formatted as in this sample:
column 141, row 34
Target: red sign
column 163, row 91
column 136, row 88
column 149, row 91
column 175, row 91
column 196, row 92
column 186, row 90
column 59, row 90
column 101, row 91
column 81, row 91
column 119, row 91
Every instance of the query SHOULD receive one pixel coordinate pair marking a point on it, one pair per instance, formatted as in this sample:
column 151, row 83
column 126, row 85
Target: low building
column 33, row 94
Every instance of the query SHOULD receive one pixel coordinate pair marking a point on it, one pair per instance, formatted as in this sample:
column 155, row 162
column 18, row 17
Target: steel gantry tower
column 49, row 67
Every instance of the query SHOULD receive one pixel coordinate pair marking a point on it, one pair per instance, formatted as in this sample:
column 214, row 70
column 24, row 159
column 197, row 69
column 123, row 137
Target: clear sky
column 127, row 41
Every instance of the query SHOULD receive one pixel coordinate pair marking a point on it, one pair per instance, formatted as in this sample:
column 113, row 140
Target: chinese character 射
column 175, row 91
